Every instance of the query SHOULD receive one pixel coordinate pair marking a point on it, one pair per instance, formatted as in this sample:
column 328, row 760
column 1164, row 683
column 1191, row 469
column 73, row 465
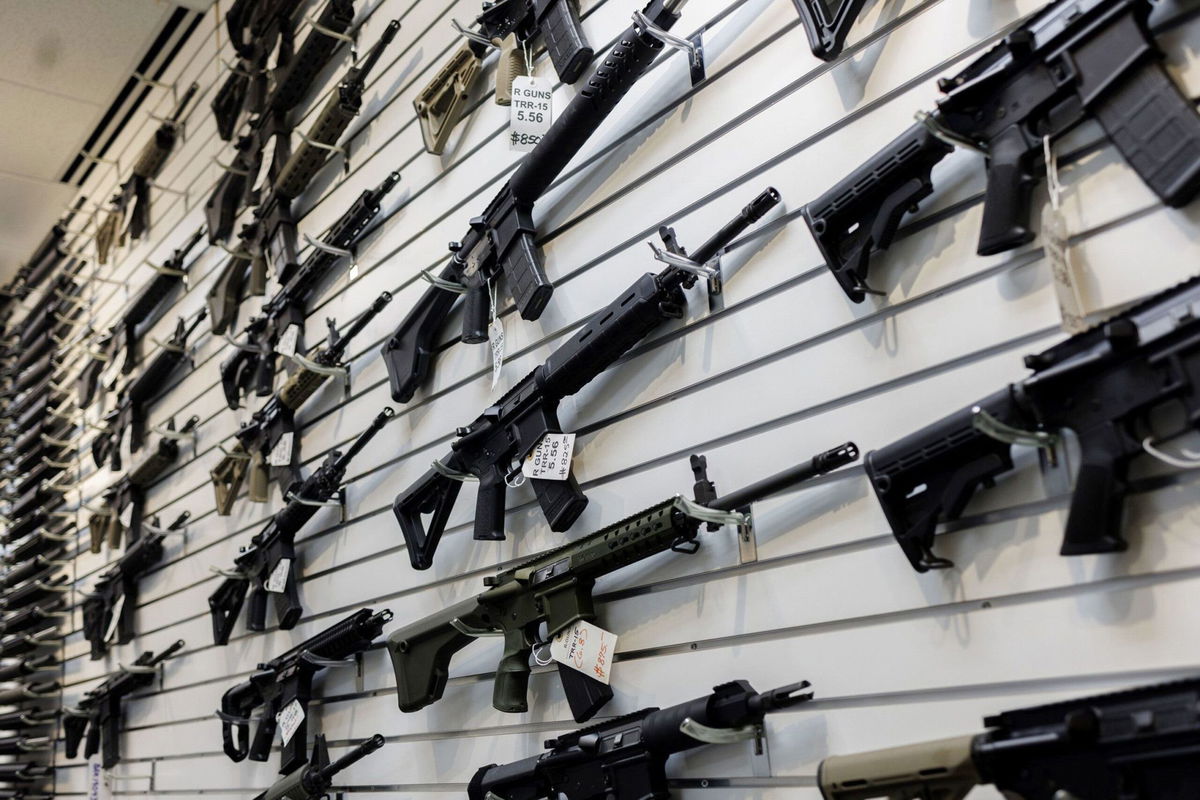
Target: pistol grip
column 511, row 65
column 264, row 734
column 73, row 730
column 476, row 313
column 1006, row 202
column 562, row 501
column 258, row 489
column 258, row 277
column 91, row 745
column 110, row 742
column 224, row 606
column 510, row 691
column 490, row 505
column 1095, row 517
column 565, row 42
column 256, row 611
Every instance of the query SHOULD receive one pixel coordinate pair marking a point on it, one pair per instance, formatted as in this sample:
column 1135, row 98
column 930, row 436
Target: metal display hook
column 694, row 47
column 989, row 426
column 442, row 283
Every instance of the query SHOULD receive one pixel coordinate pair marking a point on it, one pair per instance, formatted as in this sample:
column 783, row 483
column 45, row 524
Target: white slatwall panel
column 788, row 367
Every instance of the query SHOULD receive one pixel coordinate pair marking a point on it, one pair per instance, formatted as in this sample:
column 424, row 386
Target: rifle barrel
column 818, row 465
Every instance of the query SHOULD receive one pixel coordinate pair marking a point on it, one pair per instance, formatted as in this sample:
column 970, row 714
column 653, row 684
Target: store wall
column 786, row 368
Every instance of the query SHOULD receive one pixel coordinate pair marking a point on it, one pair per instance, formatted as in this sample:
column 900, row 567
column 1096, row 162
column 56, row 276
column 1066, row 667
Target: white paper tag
column 289, row 720
column 99, row 786
column 281, row 453
column 1066, row 280
column 118, row 607
column 352, row 275
column 531, row 112
column 496, row 340
column 551, row 459
column 587, row 648
column 277, row 582
column 287, row 342
column 126, row 515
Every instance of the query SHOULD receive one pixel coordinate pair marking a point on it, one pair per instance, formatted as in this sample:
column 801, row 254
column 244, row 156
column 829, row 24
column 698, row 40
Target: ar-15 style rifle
column 312, row 780
column 502, row 240
column 15, row 670
column 99, row 712
column 625, row 758
column 20, row 772
column 171, row 274
column 286, row 681
column 1071, row 61
column 133, row 401
column 258, row 439
column 343, row 105
column 269, row 243
column 110, row 607
column 105, row 524
column 133, row 200
column 25, row 718
column 1138, row 743
column 509, row 26
column 269, row 562
column 292, row 81
column 493, row 447
column 1105, row 384
column 50, row 251
column 253, row 363
column 555, row 589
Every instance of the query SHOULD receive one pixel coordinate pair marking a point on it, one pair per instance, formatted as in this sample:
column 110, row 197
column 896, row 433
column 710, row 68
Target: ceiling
column 62, row 65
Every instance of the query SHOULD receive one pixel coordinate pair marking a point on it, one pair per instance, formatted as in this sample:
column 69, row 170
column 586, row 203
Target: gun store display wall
column 220, row 542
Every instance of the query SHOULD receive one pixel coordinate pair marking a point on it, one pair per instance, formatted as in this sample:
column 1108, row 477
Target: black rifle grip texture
column 565, row 42
column 1095, row 517
column 490, row 505
column 476, row 313
column 256, row 612
column 1008, row 197
column 1157, row 130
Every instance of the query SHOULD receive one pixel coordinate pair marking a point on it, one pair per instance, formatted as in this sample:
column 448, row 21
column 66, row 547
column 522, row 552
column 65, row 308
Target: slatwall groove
column 674, row 394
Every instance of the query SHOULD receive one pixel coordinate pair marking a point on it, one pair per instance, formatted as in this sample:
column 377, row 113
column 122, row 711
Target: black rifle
column 1074, row 60
column 510, row 26
column 554, row 590
column 312, row 780
column 149, row 163
column 99, row 712
column 269, row 243
column 1139, row 743
column 1104, row 384
column 50, row 252
column 502, row 240
column 44, row 543
column 24, row 719
column 287, row 680
column 15, row 670
column 134, row 400
column 105, row 524
column 36, row 590
column 37, row 566
column 21, row 744
column 35, row 690
column 110, row 607
column 257, row 439
column 30, row 616
column 508, row 431
column 625, row 758
column 253, row 363
column 342, row 106
column 24, row 773
column 293, row 77
column 88, row 382
column 269, row 562
column 166, row 278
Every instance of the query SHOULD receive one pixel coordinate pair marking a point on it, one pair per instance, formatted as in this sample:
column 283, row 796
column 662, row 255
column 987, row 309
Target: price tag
column 287, row 342
column 531, row 112
column 118, row 607
column 496, row 340
column 587, row 648
column 1066, row 280
column 126, row 515
column 281, row 453
column 352, row 275
column 289, row 720
column 551, row 459
column 277, row 582
column 99, row 786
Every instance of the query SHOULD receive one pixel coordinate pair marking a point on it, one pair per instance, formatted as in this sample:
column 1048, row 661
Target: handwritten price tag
column 587, row 648
column 289, row 720
column 551, row 459
column 531, row 112
column 99, row 787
